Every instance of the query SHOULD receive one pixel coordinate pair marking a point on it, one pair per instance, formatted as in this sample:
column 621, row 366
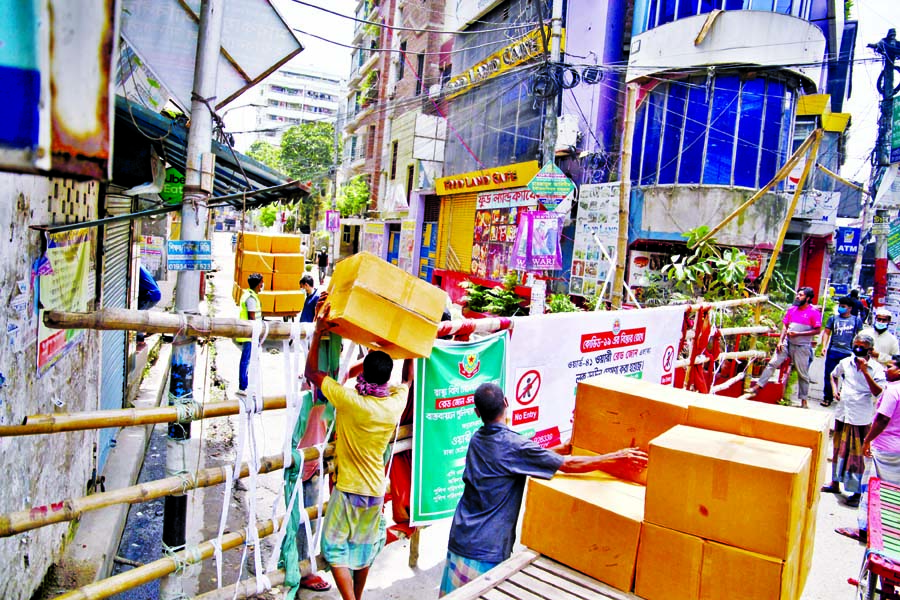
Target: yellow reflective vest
column 245, row 314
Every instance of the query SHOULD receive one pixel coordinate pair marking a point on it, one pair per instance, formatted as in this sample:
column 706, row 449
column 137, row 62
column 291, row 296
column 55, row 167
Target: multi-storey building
column 290, row 96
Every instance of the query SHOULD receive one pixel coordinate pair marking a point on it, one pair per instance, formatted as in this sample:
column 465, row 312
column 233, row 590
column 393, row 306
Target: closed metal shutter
column 114, row 294
column 455, row 230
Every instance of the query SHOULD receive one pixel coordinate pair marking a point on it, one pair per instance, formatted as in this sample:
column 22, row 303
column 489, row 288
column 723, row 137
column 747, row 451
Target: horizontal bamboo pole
column 723, row 356
column 72, row 508
column 729, row 303
column 164, row 566
column 125, row 417
column 727, row 331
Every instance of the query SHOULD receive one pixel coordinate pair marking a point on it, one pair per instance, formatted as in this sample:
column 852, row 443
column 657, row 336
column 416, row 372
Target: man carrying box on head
column 498, row 463
column 251, row 310
column 353, row 532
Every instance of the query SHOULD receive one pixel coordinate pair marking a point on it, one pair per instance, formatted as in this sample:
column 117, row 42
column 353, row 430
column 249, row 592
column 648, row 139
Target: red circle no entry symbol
column 527, row 387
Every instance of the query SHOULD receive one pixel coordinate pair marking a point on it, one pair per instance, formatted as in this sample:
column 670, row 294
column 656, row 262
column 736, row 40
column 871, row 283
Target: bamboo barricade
column 72, row 508
column 171, row 564
column 245, row 588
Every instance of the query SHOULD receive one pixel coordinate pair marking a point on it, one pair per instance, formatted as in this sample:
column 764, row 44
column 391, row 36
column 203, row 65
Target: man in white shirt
column 857, row 380
column 886, row 344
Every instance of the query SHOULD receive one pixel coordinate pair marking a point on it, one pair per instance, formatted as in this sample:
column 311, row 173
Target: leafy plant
column 502, row 301
column 353, row 197
column 709, row 271
column 267, row 215
column 561, row 303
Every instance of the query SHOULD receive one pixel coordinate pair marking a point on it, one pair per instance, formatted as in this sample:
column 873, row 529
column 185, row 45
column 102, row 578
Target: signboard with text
column 846, row 240
column 895, row 130
column 189, row 255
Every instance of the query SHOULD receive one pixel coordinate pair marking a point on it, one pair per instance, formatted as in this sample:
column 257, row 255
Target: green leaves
column 709, row 271
column 353, row 197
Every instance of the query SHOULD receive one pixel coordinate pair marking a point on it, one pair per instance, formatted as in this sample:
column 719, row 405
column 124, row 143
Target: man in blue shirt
column 308, row 314
column 497, row 464
column 838, row 341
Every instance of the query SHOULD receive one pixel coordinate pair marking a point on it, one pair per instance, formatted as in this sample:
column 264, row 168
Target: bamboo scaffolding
column 72, row 508
column 125, row 417
column 723, row 356
column 167, row 565
column 761, row 299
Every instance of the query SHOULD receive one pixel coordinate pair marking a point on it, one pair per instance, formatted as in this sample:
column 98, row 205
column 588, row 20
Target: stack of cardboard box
column 380, row 306
column 729, row 504
column 279, row 260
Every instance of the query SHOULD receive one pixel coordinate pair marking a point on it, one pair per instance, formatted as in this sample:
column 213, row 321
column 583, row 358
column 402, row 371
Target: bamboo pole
column 684, row 362
column 72, row 508
column 760, row 299
column 631, row 98
column 783, row 172
column 125, row 417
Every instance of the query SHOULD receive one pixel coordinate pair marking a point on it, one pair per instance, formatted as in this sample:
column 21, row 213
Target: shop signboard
column 893, row 241
column 881, row 225
column 445, row 419
column 550, row 354
column 895, row 131
column 189, row 255
column 173, row 189
column 551, row 182
column 597, row 224
column 510, row 176
column 847, row 240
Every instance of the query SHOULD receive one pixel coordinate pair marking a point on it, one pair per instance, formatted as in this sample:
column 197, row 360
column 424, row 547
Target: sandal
column 860, row 535
column 826, row 402
column 752, row 391
column 831, row 489
column 315, row 583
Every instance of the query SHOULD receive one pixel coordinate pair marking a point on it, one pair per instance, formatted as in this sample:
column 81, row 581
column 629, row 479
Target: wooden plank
column 542, row 588
column 576, row 589
column 574, row 576
column 475, row 588
column 495, row 594
column 518, row 592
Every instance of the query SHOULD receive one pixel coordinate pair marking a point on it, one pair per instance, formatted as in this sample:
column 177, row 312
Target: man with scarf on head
column 802, row 322
column 354, row 531
column 886, row 345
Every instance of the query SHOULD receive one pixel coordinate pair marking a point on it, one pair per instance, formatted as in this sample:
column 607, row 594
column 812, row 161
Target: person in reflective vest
column 251, row 310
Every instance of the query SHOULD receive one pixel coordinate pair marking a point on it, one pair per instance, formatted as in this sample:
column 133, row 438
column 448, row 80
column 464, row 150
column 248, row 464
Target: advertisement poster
column 152, row 252
column 644, row 267
column 332, row 220
column 65, row 282
column 537, row 242
column 373, row 239
column 597, row 221
column 550, row 354
column 407, row 246
column 445, row 419
column 496, row 218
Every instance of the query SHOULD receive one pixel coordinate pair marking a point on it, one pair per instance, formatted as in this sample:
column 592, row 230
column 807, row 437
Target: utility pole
column 631, row 93
column 889, row 49
column 198, row 184
column 548, row 148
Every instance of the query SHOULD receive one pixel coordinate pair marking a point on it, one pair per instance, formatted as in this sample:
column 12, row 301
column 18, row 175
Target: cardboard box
column 807, row 546
column 285, row 244
column 286, row 282
column 243, row 275
column 736, row 490
column 254, row 242
column 730, row 572
column 614, row 412
column 255, row 262
column 782, row 424
column 267, row 299
column 379, row 305
column 289, row 302
column 590, row 522
column 668, row 564
column 236, row 292
column 289, row 263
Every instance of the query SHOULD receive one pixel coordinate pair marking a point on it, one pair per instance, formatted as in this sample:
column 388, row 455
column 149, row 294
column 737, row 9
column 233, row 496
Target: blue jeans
column 832, row 358
column 245, row 364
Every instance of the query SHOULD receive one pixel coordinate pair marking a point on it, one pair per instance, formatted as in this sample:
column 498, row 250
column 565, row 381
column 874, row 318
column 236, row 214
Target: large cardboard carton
column 807, row 545
column 589, row 522
column 236, row 292
column 378, row 305
column 730, row 572
column 614, row 412
column 668, row 564
column 285, row 244
column 289, row 301
column 782, row 424
column 289, row 263
column 254, row 242
column 286, row 282
column 267, row 299
column 255, row 262
column 736, row 490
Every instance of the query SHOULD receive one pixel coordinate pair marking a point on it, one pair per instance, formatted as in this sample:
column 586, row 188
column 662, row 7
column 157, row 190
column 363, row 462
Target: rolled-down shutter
column 114, row 294
column 455, row 230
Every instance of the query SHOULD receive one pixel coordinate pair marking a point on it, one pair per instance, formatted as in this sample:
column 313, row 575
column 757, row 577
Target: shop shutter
column 455, row 230
column 116, row 244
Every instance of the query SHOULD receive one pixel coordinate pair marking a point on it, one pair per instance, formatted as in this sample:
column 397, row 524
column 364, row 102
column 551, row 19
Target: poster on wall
column 65, row 282
column 597, row 223
column 152, row 252
column 445, row 420
column 496, row 225
column 542, row 384
column 645, row 267
column 406, row 253
column 537, row 242
column 373, row 239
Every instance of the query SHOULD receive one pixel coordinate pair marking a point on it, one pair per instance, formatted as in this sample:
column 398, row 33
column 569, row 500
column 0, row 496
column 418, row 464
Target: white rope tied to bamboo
column 223, row 518
column 187, row 559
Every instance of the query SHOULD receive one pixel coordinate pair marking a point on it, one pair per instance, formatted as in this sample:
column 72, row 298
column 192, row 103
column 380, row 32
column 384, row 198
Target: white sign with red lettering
column 549, row 354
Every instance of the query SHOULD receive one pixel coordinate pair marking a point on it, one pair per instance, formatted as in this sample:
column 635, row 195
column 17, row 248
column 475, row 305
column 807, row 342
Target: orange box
column 236, row 292
column 614, row 412
column 286, row 282
column 254, row 242
column 771, row 422
column 285, row 244
column 730, row 572
column 668, row 564
column 590, row 522
column 267, row 300
column 379, row 305
column 807, row 546
column 289, row 263
column 287, row 302
column 736, row 490
column 243, row 275
column 255, row 262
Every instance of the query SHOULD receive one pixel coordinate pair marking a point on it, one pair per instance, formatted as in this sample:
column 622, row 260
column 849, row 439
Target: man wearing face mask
column 857, row 381
column 251, row 310
column 802, row 322
column 886, row 344
column 838, row 341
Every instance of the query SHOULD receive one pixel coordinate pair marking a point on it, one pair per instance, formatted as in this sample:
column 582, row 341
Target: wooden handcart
column 879, row 575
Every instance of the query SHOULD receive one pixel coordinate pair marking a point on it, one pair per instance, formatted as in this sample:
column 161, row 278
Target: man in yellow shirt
column 353, row 532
